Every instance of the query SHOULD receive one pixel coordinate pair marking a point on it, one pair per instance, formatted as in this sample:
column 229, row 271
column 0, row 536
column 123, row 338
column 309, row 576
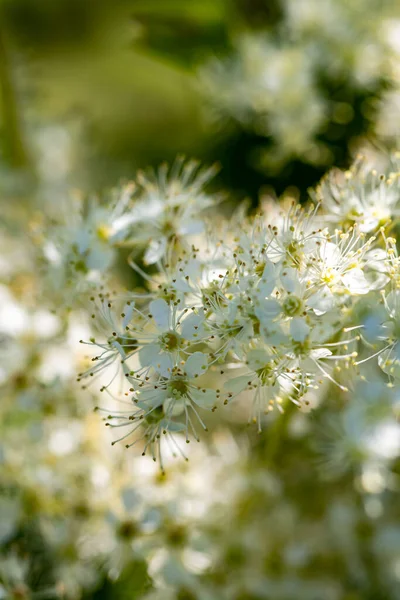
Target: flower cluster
column 152, row 215
column 361, row 196
column 270, row 312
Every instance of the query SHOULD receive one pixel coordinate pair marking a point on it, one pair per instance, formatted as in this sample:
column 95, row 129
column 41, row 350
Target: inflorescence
column 272, row 308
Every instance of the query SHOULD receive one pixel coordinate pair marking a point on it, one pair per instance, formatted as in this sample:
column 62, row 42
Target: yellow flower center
column 103, row 232
column 329, row 276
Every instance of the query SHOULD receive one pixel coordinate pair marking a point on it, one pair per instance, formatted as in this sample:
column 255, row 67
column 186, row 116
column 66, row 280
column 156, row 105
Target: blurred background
column 276, row 92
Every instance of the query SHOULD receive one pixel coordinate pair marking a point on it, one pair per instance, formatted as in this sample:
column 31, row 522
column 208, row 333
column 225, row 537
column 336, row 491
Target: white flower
column 158, row 403
column 266, row 378
column 313, row 355
column 360, row 196
column 168, row 208
column 337, row 269
column 297, row 235
column 78, row 246
column 117, row 345
column 291, row 305
column 231, row 327
column 159, row 339
column 166, row 341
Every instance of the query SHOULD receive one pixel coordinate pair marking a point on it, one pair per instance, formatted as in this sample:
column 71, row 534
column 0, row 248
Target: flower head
column 169, row 207
column 360, row 196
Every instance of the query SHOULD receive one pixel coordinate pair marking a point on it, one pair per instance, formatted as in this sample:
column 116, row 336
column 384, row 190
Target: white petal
column 355, row 282
column 258, row 358
column 269, row 270
column 322, row 301
column 148, row 354
column 82, row 240
column 231, row 312
column 181, row 285
column 268, row 309
column 192, row 327
column 155, row 251
column 174, row 573
column 205, row 399
column 163, row 364
column 368, row 224
column 377, row 254
column 193, row 268
column 299, row 329
column 123, row 223
column 100, row 257
column 272, row 334
column 128, row 312
column 151, row 398
column 237, row 384
column 51, row 253
column 191, row 227
column 268, row 280
column 265, row 288
column 389, row 362
column 161, row 312
column 393, row 302
column 196, row 364
column 290, row 279
column 146, row 210
column 330, row 254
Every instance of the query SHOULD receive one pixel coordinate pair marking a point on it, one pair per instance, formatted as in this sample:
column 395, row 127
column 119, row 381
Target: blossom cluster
column 271, row 308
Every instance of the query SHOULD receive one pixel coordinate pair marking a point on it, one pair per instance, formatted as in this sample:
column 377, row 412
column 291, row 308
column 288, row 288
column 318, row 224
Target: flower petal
column 192, row 327
column 196, row 364
column 267, row 310
column 356, row 282
column 161, row 312
column 290, row 279
column 299, row 329
column 155, row 251
column 237, row 384
column 148, row 354
column 191, row 227
column 128, row 312
column 204, row 398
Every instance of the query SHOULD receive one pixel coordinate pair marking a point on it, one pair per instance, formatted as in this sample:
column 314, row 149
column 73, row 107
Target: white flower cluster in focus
column 269, row 310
